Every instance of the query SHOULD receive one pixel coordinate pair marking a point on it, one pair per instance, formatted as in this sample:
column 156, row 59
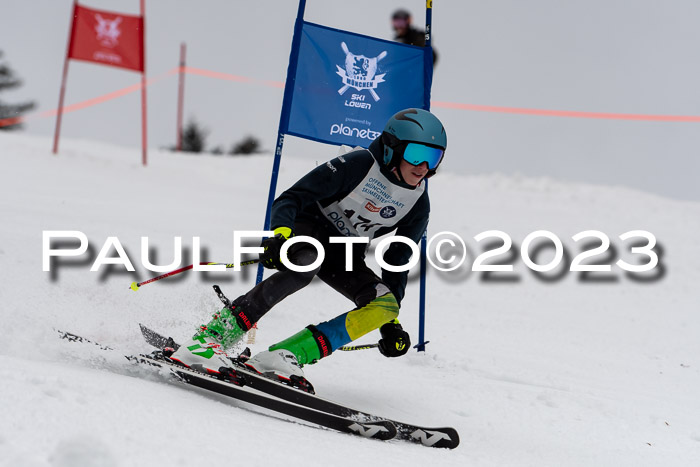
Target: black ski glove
column 395, row 341
column 270, row 257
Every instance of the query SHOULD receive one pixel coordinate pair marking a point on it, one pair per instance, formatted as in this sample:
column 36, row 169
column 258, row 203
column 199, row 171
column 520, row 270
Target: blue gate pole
column 284, row 119
column 428, row 77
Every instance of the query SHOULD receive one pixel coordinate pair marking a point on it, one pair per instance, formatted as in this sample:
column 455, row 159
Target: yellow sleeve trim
column 285, row 231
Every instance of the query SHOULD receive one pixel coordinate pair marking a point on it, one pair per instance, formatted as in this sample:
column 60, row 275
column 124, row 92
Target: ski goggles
column 416, row 154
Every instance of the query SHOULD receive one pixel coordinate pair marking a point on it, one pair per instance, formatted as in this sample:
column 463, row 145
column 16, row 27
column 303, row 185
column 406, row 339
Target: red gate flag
column 107, row 38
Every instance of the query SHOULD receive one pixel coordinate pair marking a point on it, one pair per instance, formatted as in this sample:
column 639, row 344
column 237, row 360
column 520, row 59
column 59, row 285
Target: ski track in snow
column 529, row 372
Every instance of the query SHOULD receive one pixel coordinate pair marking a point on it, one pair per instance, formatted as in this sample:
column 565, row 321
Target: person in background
column 405, row 33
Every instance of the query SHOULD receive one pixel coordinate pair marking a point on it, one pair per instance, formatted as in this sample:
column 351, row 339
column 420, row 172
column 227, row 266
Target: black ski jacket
column 334, row 181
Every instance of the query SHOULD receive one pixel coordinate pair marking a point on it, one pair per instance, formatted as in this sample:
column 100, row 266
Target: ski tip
column 454, row 438
column 433, row 437
column 134, row 286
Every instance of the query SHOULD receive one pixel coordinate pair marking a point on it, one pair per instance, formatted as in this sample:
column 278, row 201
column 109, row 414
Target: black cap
column 401, row 14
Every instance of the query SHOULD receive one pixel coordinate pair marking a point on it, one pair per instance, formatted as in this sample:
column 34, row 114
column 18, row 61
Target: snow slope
column 599, row 371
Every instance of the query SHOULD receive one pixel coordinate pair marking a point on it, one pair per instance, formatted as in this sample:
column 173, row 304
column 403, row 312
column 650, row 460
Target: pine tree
column 194, row 137
column 248, row 145
column 9, row 80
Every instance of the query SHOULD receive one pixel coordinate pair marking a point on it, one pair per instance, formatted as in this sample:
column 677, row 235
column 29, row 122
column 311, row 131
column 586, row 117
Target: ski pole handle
column 135, row 285
column 349, row 348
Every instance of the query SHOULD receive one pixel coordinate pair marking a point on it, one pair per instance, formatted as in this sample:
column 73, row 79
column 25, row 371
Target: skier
column 368, row 193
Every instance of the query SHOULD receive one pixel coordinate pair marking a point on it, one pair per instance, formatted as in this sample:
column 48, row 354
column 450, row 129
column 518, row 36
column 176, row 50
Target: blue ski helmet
column 416, row 136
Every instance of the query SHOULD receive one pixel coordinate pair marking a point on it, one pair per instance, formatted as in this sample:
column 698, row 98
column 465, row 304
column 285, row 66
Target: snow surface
column 531, row 372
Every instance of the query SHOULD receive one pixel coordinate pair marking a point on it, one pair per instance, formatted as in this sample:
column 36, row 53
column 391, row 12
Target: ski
column 156, row 340
column 432, row 437
column 379, row 429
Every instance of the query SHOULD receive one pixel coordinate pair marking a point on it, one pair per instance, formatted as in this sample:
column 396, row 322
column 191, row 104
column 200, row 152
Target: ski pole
column 135, row 285
column 349, row 348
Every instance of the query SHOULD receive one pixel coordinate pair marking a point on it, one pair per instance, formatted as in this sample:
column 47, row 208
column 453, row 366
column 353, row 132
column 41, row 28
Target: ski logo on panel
column 360, row 72
column 108, row 31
